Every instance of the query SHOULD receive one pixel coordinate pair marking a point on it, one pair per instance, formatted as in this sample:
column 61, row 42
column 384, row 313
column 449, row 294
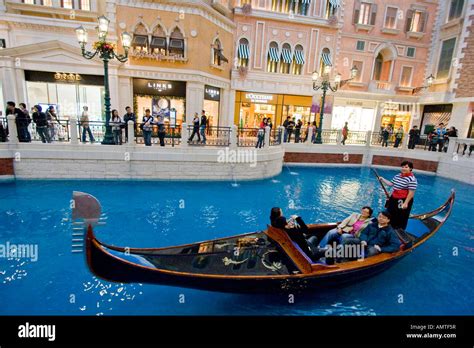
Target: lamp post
column 105, row 51
column 429, row 83
column 325, row 84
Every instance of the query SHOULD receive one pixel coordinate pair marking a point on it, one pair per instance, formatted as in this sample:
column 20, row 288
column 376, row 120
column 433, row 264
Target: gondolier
column 400, row 202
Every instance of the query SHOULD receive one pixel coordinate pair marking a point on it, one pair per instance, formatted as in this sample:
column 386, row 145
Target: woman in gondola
column 400, row 202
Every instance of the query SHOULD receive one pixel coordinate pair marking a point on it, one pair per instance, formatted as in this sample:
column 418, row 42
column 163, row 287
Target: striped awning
column 335, row 3
column 273, row 54
column 326, row 57
column 299, row 57
column 244, row 51
column 306, row 1
column 287, row 56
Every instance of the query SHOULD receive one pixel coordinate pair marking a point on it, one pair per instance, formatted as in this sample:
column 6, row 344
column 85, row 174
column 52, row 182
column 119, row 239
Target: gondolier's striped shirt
column 404, row 182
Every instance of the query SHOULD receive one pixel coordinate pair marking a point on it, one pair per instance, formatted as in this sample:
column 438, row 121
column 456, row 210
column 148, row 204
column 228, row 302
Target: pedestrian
column 129, row 116
column 147, row 127
column 161, row 129
column 398, row 137
column 53, row 122
column 345, row 133
column 41, row 122
column 298, row 126
column 3, row 130
column 313, row 137
column 451, row 133
column 291, row 127
column 414, row 135
column 26, row 123
column 401, row 200
column 86, row 129
column 261, row 134
column 440, row 134
column 203, row 126
column 385, row 135
column 285, row 125
column 20, row 120
column 195, row 128
column 116, row 124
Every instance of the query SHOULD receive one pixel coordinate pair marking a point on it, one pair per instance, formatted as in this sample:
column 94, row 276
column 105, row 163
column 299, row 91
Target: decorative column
column 310, row 136
column 267, row 136
column 12, row 131
column 74, row 130
column 233, row 137
column 184, row 135
column 131, row 132
column 282, row 134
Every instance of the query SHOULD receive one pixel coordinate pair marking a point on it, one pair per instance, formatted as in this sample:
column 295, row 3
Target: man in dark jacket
column 203, row 126
column 21, row 121
column 39, row 118
column 129, row 116
column 380, row 237
column 414, row 137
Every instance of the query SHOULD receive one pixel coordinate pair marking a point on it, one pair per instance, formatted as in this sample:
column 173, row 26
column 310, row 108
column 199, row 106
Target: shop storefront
column 433, row 115
column 252, row 107
column 359, row 114
column 396, row 115
column 68, row 92
column 212, row 98
column 160, row 97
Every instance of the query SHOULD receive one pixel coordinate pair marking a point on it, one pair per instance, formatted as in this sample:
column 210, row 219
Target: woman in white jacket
column 116, row 124
column 351, row 226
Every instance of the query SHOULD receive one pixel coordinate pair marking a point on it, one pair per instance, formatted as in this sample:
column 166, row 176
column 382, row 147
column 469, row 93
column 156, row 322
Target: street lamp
column 105, row 51
column 325, row 84
column 429, row 83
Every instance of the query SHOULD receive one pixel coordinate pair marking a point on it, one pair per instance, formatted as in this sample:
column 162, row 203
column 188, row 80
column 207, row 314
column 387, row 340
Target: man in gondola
column 401, row 200
column 378, row 237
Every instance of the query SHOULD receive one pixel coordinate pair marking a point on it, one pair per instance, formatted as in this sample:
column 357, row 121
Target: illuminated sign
column 259, row 98
column 212, row 93
column 160, row 87
column 67, row 77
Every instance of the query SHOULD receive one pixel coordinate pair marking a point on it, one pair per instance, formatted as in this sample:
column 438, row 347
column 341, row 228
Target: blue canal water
column 438, row 278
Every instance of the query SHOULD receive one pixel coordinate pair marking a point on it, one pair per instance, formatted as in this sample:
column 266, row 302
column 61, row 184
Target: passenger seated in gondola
column 378, row 237
column 296, row 229
column 351, row 226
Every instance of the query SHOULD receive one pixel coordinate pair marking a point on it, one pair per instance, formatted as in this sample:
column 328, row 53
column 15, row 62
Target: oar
column 381, row 183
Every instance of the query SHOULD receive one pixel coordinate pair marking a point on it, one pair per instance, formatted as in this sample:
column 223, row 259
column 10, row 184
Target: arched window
column 140, row 38
column 158, row 41
column 286, row 58
column 298, row 61
column 325, row 61
column 383, row 64
column 243, row 53
column 273, row 57
column 331, row 7
column 217, row 56
column 176, row 47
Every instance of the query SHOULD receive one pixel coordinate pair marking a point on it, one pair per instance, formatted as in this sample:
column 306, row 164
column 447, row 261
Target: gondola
column 258, row 262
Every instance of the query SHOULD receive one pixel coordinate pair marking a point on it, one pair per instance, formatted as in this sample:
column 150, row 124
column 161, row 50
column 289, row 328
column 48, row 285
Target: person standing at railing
column 116, row 124
column 129, row 116
column 440, row 133
column 53, row 122
column 20, row 120
column 41, row 122
column 345, row 133
column 161, row 129
column 261, row 134
column 195, row 128
column 85, row 125
column 269, row 123
column 291, row 127
column 398, row 137
column 26, row 123
column 3, row 130
column 203, row 126
column 414, row 137
column 451, row 133
column 385, row 135
column 298, row 131
column 147, row 127
column 313, row 137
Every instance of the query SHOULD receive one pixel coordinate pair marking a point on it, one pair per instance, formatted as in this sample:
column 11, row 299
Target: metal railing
column 275, row 137
column 217, row 136
column 247, row 137
column 172, row 136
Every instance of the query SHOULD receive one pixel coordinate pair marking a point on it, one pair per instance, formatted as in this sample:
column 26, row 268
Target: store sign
column 62, row 77
column 159, row 87
column 212, row 93
column 259, row 98
column 65, row 77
